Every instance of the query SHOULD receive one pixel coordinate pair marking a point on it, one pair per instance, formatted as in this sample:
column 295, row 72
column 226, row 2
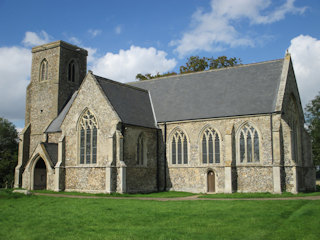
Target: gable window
column 88, row 138
column 44, row 70
column 72, row 71
column 179, row 148
column 248, row 144
column 141, row 158
column 210, row 146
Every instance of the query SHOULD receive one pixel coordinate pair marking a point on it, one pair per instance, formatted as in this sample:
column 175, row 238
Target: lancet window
column 44, row 70
column 140, row 151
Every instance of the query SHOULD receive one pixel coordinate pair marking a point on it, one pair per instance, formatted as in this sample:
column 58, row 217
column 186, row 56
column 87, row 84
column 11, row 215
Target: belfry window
column 210, row 146
column 72, row 71
column 88, row 138
column 179, row 148
column 44, row 70
column 248, row 143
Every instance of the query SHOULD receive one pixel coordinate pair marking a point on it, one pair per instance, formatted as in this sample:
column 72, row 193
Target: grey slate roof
column 56, row 123
column 132, row 104
column 52, row 150
column 242, row 90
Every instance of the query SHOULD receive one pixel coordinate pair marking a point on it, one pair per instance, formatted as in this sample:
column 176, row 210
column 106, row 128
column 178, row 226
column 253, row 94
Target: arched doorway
column 40, row 175
column 211, row 181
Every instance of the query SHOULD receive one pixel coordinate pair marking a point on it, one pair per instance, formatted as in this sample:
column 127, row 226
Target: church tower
column 58, row 69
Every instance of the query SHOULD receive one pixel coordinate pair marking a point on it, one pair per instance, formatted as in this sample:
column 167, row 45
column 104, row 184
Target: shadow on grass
column 8, row 193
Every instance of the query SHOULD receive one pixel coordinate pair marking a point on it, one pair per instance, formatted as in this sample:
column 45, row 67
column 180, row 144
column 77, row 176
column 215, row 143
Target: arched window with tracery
column 88, row 138
column 210, row 146
column 179, row 148
column 44, row 70
column 140, row 151
column 72, row 71
column 248, row 142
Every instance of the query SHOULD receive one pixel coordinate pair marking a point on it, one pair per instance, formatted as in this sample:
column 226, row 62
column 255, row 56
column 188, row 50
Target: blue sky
column 127, row 37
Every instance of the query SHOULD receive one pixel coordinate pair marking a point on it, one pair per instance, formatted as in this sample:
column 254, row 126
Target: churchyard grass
column 171, row 194
column 259, row 195
column 43, row 217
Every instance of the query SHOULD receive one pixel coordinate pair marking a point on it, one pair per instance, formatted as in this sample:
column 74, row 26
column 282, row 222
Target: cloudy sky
column 126, row 37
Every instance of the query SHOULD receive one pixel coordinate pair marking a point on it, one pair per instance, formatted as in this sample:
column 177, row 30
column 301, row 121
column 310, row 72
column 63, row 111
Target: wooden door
column 211, row 181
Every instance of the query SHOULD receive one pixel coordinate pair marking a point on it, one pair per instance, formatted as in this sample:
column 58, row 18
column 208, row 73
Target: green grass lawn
column 259, row 195
column 42, row 217
column 148, row 195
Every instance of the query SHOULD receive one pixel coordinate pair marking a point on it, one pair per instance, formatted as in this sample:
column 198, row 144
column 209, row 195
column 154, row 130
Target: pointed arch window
column 248, row 144
column 44, row 70
column 210, row 146
column 72, row 71
column 141, row 156
column 88, row 138
column 295, row 129
column 179, row 148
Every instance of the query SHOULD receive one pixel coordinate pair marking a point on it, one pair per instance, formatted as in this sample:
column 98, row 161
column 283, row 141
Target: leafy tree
column 223, row 61
column 8, row 152
column 195, row 64
column 312, row 113
column 148, row 76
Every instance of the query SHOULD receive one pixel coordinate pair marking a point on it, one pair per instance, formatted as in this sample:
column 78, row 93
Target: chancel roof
column 234, row 91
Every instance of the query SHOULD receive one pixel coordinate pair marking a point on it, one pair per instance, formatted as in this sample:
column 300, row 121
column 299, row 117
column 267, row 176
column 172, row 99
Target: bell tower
column 58, row 69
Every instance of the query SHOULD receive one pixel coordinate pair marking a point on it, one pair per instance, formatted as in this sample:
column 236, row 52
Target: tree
column 223, row 61
column 149, row 76
column 312, row 113
column 196, row 64
column 8, row 152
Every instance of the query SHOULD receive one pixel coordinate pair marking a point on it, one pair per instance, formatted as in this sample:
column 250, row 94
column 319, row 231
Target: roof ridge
column 207, row 71
column 121, row 84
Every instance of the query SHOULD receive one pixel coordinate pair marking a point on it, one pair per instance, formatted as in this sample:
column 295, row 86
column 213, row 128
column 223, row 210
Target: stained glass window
column 179, row 148
column 249, row 144
column 210, row 146
column 88, row 138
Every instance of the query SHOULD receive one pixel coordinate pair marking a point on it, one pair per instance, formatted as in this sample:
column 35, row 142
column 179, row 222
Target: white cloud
column 118, row 29
column 15, row 65
column 305, row 53
column 215, row 30
column 91, row 54
column 74, row 40
column 94, row 32
column 125, row 65
column 32, row 39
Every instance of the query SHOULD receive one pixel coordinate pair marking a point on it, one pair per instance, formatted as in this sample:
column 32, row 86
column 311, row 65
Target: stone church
column 237, row 129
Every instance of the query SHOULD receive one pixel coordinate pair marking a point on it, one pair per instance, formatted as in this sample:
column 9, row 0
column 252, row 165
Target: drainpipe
column 165, row 156
column 157, row 131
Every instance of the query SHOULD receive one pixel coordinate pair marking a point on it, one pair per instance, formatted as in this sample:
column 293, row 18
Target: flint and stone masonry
column 237, row 129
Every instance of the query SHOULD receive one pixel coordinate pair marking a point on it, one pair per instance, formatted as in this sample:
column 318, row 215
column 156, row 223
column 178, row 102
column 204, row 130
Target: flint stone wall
column 140, row 178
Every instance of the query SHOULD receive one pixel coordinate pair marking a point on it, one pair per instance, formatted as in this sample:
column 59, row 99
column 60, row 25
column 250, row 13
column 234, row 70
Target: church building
column 236, row 129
